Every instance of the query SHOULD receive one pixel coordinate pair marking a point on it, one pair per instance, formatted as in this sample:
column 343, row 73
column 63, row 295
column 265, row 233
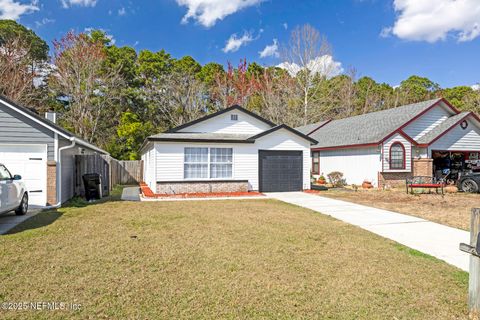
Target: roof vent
column 234, row 117
column 52, row 116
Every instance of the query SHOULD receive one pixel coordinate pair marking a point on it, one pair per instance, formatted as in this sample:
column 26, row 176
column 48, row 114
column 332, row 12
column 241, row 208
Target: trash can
column 93, row 186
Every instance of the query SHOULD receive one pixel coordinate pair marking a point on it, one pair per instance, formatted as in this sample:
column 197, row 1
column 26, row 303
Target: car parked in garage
column 13, row 193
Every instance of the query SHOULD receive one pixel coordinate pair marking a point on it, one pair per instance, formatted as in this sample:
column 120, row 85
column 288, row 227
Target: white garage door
column 29, row 161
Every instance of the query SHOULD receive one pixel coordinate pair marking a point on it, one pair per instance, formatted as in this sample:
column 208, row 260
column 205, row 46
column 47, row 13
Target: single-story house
column 389, row 146
column 232, row 150
column 41, row 151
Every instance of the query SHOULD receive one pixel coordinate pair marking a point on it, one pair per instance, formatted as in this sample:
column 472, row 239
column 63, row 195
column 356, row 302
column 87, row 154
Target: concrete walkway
column 428, row 237
column 131, row 194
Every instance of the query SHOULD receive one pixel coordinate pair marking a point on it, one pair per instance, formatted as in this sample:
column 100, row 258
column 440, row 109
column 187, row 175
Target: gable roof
column 221, row 137
column 284, row 126
column 371, row 128
column 212, row 115
column 201, row 137
column 310, row 128
column 443, row 128
column 47, row 123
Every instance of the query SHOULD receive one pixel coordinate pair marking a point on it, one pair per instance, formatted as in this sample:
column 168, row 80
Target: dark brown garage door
column 280, row 171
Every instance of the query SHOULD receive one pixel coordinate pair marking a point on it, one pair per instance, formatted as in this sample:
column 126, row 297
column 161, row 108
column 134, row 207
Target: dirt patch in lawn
column 242, row 259
column 452, row 209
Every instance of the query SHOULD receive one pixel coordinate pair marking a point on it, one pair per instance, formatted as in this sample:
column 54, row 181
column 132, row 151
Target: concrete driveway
column 10, row 220
column 425, row 236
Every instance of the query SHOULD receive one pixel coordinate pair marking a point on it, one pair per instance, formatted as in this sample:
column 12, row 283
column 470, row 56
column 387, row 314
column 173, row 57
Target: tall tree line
column 115, row 96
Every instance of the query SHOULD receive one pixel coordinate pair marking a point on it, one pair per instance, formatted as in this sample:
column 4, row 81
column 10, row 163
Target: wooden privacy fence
column 126, row 172
column 92, row 164
column 112, row 171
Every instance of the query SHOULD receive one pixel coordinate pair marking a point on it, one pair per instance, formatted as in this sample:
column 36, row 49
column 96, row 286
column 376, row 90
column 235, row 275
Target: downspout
column 59, row 175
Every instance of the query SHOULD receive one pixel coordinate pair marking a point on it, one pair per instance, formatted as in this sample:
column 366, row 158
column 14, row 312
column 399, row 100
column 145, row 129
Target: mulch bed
column 148, row 193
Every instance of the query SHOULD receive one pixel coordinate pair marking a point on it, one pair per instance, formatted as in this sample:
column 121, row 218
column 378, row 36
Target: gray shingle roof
column 367, row 128
column 310, row 127
column 227, row 137
column 441, row 128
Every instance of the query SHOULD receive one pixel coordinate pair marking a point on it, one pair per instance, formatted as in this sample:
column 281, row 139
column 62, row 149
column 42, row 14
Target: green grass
column 238, row 259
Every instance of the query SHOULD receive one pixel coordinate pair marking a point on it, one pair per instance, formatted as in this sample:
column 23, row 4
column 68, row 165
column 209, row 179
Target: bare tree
column 80, row 78
column 178, row 98
column 307, row 56
column 276, row 92
column 17, row 73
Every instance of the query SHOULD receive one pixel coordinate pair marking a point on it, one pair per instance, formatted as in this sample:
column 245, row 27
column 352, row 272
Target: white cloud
column 324, row 65
column 10, row 9
column 434, row 20
column 80, row 3
column 475, row 87
column 43, row 22
column 234, row 43
column 122, row 11
column 270, row 50
column 285, row 25
column 208, row 12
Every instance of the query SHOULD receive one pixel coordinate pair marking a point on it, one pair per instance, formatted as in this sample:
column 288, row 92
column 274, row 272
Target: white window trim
column 209, row 162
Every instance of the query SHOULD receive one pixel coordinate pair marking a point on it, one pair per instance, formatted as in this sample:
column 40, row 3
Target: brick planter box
column 220, row 186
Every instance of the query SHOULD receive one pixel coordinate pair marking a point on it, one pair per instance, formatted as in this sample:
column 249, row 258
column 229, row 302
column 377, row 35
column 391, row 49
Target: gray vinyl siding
column 18, row 129
column 68, row 167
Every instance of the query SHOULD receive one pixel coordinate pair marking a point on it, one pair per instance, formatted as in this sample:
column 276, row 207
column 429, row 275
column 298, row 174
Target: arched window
column 397, row 156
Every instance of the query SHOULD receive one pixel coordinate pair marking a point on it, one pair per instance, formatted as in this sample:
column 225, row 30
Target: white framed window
column 205, row 163
column 221, row 160
column 195, row 163
column 234, row 117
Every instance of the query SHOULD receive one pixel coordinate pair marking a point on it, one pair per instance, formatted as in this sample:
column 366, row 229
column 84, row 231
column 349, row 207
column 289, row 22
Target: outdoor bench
column 424, row 182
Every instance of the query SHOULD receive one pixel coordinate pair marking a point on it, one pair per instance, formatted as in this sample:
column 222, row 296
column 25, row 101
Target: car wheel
column 469, row 185
column 23, row 208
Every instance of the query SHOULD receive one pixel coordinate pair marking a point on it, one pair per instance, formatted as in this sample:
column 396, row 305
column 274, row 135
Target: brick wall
column 201, row 187
column 423, row 167
column 393, row 179
column 51, row 183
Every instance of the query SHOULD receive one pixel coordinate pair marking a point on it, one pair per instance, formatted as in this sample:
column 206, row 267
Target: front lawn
column 219, row 259
column 451, row 209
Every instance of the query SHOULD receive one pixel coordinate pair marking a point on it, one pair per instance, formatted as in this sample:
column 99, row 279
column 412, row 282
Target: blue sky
column 388, row 40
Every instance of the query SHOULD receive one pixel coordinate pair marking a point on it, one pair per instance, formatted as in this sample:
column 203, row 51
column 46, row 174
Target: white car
column 13, row 194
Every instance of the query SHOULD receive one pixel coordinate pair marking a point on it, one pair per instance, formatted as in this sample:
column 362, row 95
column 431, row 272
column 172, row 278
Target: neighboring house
column 40, row 151
column 229, row 151
column 386, row 147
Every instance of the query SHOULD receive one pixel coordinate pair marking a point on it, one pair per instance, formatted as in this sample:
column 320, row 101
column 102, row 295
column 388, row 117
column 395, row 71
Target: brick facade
column 423, row 167
column 393, row 179
column 176, row 187
column 51, row 183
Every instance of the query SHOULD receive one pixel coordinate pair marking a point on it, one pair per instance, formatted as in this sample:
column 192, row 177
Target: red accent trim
column 365, row 145
column 321, row 126
column 421, row 114
column 449, row 129
column 404, row 157
column 450, row 105
column 398, row 130
column 459, row 151
column 313, row 163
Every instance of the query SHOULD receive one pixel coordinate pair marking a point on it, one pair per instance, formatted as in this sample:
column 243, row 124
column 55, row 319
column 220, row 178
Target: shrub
column 336, row 178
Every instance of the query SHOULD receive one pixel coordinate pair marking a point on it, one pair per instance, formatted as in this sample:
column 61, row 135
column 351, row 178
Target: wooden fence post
column 474, row 278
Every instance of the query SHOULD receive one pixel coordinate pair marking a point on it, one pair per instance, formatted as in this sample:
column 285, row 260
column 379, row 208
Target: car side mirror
column 17, row 177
